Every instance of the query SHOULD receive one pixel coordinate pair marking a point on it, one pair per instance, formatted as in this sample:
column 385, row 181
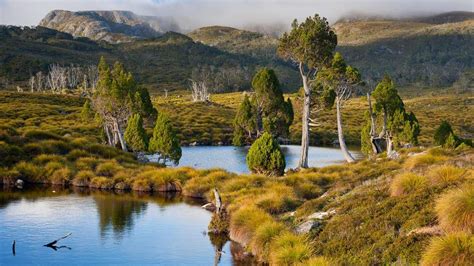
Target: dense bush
column 265, row 156
column 135, row 135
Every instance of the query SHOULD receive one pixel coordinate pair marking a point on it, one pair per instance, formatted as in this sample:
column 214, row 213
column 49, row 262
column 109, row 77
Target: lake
column 233, row 158
column 107, row 228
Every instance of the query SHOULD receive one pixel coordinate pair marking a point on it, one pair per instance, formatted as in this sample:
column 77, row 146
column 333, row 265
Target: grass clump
column 245, row 221
column 318, row 261
column 446, row 174
column 108, row 168
column 422, row 160
column 455, row 209
column 263, row 237
column 278, row 198
column 102, row 182
column 30, row 173
column 452, row 249
column 404, row 184
column 198, row 187
column 61, row 176
column 290, row 249
column 83, row 178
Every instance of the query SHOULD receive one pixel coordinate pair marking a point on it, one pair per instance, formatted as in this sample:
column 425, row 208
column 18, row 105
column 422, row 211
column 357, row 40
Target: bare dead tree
column 200, row 91
column 40, row 81
column 32, row 83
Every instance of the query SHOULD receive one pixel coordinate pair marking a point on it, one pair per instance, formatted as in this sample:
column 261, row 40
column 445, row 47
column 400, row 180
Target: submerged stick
column 51, row 244
column 14, row 248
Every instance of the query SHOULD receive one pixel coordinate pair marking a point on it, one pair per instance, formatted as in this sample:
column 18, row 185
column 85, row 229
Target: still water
column 107, row 229
column 233, row 158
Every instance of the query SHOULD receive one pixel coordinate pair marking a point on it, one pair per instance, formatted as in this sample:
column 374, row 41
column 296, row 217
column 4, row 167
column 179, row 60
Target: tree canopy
column 165, row 141
column 135, row 135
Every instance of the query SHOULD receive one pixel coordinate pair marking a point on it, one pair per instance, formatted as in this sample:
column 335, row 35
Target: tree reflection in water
column 117, row 212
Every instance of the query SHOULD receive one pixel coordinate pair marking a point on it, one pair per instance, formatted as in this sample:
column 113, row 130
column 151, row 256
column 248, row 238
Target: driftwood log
column 14, row 248
column 53, row 243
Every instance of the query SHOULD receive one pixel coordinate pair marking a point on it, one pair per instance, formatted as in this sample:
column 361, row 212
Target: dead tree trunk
column 303, row 163
column 342, row 142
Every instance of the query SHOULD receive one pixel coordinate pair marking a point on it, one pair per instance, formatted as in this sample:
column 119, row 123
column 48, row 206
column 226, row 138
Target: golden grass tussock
column 276, row 199
column 318, row 261
column 86, row 163
column 290, row 249
column 263, row 237
column 30, row 172
column 83, row 178
column 108, row 168
column 455, row 209
column 245, row 221
column 407, row 183
column 46, row 158
column 61, row 176
column 446, row 174
column 102, row 182
column 422, row 160
column 450, row 250
column 200, row 186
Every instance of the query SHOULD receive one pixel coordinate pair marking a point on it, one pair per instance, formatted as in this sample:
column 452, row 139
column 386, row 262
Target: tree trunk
column 375, row 149
column 120, row 136
column 340, row 134
column 109, row 137
column 389, row 143
column 305, row 123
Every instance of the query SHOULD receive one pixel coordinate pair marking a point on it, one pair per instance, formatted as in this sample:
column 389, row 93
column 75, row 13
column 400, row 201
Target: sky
column 190, row 14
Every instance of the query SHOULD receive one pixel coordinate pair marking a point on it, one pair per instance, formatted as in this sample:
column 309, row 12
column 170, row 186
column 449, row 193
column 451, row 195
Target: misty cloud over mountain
column 263, row 15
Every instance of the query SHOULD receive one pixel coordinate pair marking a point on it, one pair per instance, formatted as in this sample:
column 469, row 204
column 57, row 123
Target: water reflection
column 117, row 213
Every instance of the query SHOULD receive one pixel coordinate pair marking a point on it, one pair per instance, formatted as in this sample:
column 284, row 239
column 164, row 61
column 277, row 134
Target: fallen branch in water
column 14, row 247
column 53, row 244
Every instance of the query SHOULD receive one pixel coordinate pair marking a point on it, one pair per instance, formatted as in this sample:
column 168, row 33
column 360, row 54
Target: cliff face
column 109, row 26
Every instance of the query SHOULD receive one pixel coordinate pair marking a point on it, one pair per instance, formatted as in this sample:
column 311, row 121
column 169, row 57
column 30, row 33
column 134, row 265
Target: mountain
column 429, row 51
column 110, row 26
column 164, row 62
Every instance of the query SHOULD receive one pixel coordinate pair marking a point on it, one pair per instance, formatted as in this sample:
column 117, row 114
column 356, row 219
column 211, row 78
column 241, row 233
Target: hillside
column 109, row 26
column 164, row 62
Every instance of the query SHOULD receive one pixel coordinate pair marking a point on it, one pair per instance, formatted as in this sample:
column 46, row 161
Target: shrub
column 264, row 235
column 265, row 156
column 108, row 168
column 442, row 133
column 278, row 198
column 86, row 112
column 407, row 183
column 165, row 141
column 10, row 154
column 142, row 185
column 135, row 135
column 46, row 158
column 52, row 166
column 452, row 249
column 61, row 176
column 446, row 174
column 290, row 249
column 83, row 178
column 30, row 172
column 455, row 209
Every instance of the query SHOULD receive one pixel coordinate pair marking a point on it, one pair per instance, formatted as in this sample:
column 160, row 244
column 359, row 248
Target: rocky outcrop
column 109, row 26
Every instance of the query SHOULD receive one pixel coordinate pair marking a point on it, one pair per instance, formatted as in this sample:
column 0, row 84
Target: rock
column 193, row 144
column 393, row 155
column 19, row 183
column 321, row 215
column 220, row 143
column 209, row 206
column 67, row 135
column 307, row 226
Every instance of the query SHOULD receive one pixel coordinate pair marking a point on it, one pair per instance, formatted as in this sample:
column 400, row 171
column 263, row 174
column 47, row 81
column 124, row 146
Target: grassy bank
column 212, row 123
column 380, row 211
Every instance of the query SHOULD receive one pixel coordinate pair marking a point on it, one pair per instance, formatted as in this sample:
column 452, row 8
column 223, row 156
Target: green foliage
column 451, row 142
column 290, row 249
column 164, row 140
column 452, row 249
column 311, row 43
column 244, row 122
column 265, row 156
column 442, row 133
column 87, row 113
column 135, row 135
column 366, row 145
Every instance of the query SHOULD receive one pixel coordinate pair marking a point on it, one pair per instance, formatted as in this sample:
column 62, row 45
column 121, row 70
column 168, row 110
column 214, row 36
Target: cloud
column 238, row 13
